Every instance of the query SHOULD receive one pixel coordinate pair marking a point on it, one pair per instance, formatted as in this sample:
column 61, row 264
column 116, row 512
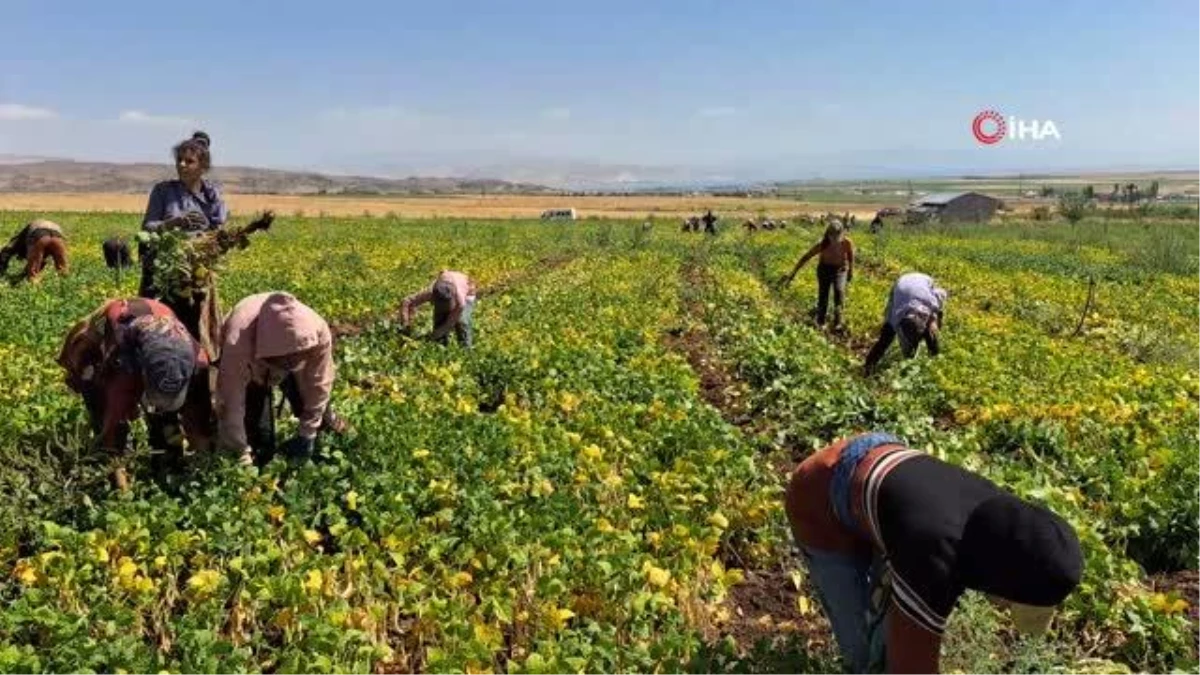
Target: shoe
column 246, row 458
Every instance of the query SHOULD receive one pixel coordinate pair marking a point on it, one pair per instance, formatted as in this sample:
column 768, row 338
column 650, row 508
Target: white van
column 558, row 214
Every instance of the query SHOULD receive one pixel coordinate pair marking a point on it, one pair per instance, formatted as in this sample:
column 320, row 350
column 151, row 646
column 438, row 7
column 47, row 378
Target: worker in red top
column 135, row 352
column 835, row 270
column 38, row 240
column 453, row 298
column 892, row 537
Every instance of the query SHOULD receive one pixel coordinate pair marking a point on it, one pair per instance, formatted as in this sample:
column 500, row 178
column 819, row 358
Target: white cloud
column 719, row 111
column 141, row 117
column 383, row 114
column 17, row 112
column 561, row 113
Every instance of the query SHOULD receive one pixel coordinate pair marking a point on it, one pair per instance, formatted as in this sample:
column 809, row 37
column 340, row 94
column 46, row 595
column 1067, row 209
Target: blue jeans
column 855, row 596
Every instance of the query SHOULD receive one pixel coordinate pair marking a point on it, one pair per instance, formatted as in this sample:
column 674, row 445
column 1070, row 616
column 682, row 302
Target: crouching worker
column 269, row 340
column 116, row 253
column 915, row 309
column 893, row 537
column 38, row 240
column 453, row 298
column 135, row 351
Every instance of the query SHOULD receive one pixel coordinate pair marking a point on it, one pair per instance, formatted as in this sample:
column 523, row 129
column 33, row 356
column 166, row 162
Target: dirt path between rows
column 766, row 608
column 1187, row 585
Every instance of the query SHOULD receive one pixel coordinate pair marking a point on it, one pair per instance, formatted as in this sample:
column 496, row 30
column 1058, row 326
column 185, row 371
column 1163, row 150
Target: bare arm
column 800, row 263
column 910, row 648
column 411, row 303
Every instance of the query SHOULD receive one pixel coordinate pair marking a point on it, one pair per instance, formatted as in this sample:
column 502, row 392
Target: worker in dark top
column 892, row 537
column 116, row 253
column 710, row 222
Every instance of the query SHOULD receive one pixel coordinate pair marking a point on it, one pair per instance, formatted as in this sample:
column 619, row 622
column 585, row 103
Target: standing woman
column 835, row 270
column 193, row 205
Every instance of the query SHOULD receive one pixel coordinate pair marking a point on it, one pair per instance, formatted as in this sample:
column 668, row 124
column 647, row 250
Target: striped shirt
column 915, row 508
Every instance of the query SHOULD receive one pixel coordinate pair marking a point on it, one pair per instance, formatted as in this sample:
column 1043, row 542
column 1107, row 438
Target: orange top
column 839, row 254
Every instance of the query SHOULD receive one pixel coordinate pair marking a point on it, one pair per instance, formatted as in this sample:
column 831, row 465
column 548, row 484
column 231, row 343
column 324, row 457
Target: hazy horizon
column 767, row 91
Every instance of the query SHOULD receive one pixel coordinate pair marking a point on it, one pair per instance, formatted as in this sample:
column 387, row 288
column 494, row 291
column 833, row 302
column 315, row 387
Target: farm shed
column 957, row 206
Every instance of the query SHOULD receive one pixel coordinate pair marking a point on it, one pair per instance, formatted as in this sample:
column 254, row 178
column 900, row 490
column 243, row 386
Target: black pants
column 260, row 415
column 830, row 276
column 887, row 334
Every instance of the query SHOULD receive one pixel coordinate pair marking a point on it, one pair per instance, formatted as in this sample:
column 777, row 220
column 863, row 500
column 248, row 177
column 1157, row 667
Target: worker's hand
column 176, row 223
column 298, row 447
column 196, row 220
column 246, row 456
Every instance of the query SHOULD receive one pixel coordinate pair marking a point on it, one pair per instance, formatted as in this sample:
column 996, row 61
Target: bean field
column 597, row 485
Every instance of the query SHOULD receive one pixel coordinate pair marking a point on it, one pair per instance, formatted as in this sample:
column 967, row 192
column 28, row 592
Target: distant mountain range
column 39, row 174
column 417, row 175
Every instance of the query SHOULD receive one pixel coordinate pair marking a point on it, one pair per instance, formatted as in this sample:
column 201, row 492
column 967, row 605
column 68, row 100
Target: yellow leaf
column 204, row 581
column 312, row 537
column 635, row 503
column 312, row 582
column 657, row 576
column 568, row 402
column 276, row 513
column 126, row 568
column 718, row 520
column 420, row 453
column 461, row 579
column 25, row 573
column 352, row 500
column 803, row 605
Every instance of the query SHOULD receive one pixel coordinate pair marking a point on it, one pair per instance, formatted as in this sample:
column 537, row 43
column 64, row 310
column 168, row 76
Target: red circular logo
column 985, row 119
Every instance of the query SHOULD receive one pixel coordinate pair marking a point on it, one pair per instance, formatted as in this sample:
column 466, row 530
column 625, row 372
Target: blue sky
column 773, row 87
